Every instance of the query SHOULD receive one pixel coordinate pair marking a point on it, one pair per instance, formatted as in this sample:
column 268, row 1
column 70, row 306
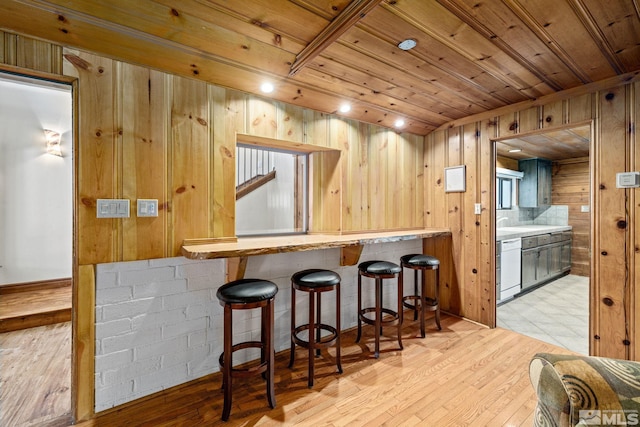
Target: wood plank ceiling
column 471, row 55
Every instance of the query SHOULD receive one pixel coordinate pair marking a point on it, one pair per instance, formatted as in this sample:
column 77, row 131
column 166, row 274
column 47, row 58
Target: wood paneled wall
column 142, row 133
column 571, row 186
column 146, row 134
column 613, row 109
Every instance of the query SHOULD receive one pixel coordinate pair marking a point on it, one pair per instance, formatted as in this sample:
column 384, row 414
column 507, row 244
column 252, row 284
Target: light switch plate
column 478, row 208
column 147, row 207
column 628, row 179
column 112, row 208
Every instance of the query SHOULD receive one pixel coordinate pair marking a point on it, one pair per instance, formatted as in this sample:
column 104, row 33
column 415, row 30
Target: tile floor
column 556, row 313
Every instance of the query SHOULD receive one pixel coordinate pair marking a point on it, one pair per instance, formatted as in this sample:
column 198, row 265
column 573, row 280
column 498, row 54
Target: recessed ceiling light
column 266, row 87
column 515, row 150
column 345, row 108
column 399, row 123
column 407, row 44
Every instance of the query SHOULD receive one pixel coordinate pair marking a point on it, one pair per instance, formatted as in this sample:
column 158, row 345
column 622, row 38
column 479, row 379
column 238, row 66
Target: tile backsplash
column 547, row 215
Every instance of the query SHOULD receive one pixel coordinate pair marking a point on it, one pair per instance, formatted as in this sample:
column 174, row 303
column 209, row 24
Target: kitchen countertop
column 503, row 233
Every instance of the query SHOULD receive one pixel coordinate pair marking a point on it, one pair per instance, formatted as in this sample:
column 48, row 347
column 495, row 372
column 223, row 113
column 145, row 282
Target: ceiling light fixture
column 345, row 108
column 407, row 44
column 267, row 87
column 515, row 150
column 399, row 123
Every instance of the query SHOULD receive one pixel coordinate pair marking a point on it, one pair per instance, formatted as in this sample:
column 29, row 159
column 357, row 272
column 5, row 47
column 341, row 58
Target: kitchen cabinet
column 545, row 257
column 565, row 255
column 529, row 262
column 535, row 186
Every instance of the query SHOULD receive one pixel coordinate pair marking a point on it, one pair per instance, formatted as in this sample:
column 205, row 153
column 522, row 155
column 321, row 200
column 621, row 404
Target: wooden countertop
column 247, row 246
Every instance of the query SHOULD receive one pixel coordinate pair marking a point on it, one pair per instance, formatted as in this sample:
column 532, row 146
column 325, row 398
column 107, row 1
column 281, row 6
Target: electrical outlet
column 147, row 207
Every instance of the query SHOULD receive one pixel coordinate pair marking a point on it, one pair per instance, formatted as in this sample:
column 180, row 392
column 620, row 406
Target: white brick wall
column 159, row 323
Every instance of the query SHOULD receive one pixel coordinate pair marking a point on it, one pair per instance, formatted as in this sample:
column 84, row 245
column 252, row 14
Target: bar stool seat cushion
column 247, row 291
column 316, row 277
column 379, row 267
column 420, row 260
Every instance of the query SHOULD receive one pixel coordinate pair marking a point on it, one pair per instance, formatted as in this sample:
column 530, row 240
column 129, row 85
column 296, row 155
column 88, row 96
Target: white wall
column 271, row 208
column 35, row 187
column 159, row 323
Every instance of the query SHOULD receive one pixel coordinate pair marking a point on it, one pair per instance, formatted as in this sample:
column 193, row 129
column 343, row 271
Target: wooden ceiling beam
column 349, row 17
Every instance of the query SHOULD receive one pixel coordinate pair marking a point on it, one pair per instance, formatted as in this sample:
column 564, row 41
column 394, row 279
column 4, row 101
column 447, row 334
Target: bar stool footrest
column 248, row 371
column 430, row 303
column 325, row 342
column 395, row 318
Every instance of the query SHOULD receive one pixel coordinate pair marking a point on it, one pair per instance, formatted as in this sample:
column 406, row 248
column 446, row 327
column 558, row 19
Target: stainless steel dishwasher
column 510, row 266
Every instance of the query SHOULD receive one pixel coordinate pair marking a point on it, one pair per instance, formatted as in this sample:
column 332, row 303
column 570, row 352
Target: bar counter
column 247, row 246
column 237, row 252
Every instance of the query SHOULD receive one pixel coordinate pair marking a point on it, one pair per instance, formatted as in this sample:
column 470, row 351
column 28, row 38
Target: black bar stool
column 247, row 294
column 421, row 300
column 315, row 281
column 379, row 270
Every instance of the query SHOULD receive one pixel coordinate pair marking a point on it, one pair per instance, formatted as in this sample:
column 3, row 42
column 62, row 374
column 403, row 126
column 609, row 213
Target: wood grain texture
column 470, row 57
column 35, row 375
column 571, row 185
column 611, row 272
column 248, row 246
column 173, row 139
column 83, row 352
column 635, row 228
column 141, row 102
column 610, row 248
column 36, row 304
column 465, row 374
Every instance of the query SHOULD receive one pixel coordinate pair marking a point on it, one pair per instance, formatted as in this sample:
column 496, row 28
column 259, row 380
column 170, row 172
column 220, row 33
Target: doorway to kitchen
column 36, row 250
column 542, row 199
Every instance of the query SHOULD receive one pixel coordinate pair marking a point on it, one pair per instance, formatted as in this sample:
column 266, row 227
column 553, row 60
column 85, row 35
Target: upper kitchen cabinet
column 535, row 186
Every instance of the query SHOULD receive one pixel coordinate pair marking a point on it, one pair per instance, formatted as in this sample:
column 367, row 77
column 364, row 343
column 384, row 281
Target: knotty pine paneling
column 614, row 289
column 142, row 94
column 223, row 160
column 634, row 222
column 30, row 54
column 99, row 163
column 173, row 139
column 611, row 270
column 571, row 186
column 189, row 169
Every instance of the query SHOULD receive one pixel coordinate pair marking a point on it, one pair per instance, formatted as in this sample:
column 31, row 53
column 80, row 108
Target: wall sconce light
column 53, row 142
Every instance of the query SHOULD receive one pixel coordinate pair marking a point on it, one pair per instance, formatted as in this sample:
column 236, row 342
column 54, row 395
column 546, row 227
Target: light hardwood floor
column 35, row 376
column 34, row 304
column 465, row 374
